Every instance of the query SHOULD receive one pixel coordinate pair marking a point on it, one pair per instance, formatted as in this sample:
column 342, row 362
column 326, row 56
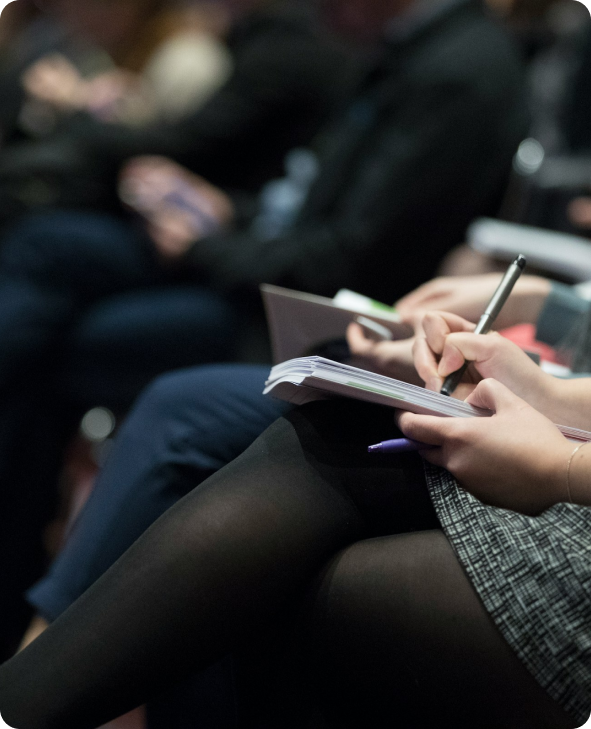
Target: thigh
column 400, row 638
column 90, row 254
column 186, row 426
column 124, row 341
column 389, row 491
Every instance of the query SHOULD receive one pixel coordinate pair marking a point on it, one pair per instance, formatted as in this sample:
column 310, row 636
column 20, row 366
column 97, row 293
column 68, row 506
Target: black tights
column 308, row 538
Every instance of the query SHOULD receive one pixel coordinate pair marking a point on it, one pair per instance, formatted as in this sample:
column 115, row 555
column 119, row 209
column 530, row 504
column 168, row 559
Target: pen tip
column 520, row 261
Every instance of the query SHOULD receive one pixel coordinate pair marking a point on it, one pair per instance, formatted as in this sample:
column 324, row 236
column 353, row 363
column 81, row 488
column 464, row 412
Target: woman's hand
column 516, row 459
column 448, row 341
column 393, row 359
column 468, row 296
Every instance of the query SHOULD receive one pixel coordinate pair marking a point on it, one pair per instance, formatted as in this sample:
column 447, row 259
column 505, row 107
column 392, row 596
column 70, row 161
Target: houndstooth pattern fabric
column 533, row 575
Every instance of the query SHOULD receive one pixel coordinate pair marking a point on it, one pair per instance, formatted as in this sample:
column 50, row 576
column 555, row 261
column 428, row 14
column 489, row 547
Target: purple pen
column 398, row 445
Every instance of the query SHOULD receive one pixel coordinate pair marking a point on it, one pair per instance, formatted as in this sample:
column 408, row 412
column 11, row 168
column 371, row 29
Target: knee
column 174, row 394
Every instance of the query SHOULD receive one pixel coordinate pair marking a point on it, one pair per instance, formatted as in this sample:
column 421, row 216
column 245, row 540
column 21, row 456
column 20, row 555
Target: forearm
column 308, row 259
column 569, row 402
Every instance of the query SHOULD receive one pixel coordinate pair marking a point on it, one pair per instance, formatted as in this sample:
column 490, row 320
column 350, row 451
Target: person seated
column 113, row 59
column 123, row 316
column 409, row 589
column 170, row 67
column 285, row 75
column 422, row 146
column 189, row 424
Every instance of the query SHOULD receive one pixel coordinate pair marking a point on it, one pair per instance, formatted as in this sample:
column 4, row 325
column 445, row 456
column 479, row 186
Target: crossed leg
column 303, row 521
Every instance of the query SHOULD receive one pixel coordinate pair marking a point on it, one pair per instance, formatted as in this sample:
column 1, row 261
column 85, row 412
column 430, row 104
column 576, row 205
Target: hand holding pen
column 448, row 341
column 487, row 319
column 451, row 343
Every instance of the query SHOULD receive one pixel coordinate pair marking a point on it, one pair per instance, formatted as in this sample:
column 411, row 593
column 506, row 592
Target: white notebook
column 306, row 379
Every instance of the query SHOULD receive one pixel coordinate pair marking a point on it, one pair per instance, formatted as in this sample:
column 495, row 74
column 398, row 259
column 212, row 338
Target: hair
column 522, row 10
column 160, row 19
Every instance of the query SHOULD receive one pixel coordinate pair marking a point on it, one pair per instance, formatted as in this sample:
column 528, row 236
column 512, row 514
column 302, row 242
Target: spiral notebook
column 306, row 379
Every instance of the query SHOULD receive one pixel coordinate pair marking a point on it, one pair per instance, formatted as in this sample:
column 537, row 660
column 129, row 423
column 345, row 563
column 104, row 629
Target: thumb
column 358, row 343
column 492, row 395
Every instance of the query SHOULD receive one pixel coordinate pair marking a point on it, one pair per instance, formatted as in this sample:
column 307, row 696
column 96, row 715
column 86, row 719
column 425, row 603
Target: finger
column 451, row 360
column 426, row 364
column 479, row 349
column 428, row 429
column 358, row 343
column 437, row 327
column 436, row 456
column 436, row 330
column 492, row 395
column 441, row 323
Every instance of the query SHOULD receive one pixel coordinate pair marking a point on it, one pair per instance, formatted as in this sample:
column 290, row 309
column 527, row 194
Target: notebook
column 305, row 379
column 301, row 324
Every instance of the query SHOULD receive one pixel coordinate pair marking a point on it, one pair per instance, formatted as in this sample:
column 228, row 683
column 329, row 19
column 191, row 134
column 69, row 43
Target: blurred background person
column 553, row 165
column 134, row 60
column 277, row 76
column 286, row 76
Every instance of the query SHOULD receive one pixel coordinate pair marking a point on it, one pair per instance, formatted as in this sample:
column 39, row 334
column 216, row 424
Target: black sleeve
column 286, row 79
column 425, row 162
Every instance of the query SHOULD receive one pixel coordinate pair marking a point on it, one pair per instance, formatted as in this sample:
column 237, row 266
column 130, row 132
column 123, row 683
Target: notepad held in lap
column 306, row 379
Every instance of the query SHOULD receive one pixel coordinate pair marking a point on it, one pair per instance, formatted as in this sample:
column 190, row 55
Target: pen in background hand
column 490, row 314
column 373, row 330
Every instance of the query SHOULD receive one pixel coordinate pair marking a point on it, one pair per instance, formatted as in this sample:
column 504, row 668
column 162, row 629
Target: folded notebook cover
column 302, row 324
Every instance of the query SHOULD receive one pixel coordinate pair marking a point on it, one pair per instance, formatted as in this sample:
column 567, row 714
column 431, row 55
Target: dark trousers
column 88, row 316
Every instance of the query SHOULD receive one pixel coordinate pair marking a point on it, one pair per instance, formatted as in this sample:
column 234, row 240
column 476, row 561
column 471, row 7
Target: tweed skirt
column 533, row 575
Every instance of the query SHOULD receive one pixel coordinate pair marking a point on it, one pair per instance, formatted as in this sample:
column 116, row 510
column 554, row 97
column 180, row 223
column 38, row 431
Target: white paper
column 305, row 379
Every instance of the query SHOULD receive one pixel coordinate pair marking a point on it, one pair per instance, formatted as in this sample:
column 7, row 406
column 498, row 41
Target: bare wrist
column 545, row 394
column 577, row 477
column 533, row 290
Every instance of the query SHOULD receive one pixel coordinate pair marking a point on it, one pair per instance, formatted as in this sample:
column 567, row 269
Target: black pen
column 490, row 314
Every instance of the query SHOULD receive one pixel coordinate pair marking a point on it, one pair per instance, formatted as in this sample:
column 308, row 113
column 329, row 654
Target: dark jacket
column 423, row 148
